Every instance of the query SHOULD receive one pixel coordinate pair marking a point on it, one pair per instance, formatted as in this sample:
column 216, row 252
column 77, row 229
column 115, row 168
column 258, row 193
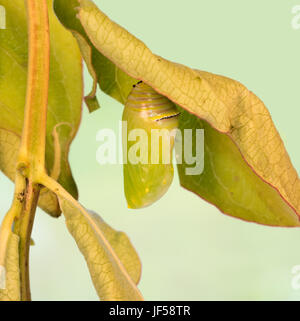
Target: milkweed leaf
column 86, row 51
column 112, row 261
column 9, row 273
column 65, row 94
column 225, row 104
column 229, row 183
column 112, row 80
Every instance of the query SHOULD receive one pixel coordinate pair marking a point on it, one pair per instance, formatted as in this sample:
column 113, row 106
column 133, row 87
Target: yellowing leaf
column 65, row 92
column 112, row 80
column 121, row 244
column 226, row 105
column 9, row 143
column 10, row 274
column 86, row 51
column 112, row 261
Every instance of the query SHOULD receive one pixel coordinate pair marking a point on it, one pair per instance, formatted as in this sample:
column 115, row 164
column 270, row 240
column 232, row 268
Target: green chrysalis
column 147, row 148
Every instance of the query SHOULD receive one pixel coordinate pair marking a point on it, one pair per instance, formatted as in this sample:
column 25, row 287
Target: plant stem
column 32, row 150
column 31, row 160
column 24, row 231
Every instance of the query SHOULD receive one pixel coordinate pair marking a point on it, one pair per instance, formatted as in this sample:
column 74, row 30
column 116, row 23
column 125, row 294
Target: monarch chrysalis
column 147, row 179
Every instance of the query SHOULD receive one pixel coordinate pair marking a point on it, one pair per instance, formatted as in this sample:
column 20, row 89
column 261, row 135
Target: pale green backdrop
column 189, row 250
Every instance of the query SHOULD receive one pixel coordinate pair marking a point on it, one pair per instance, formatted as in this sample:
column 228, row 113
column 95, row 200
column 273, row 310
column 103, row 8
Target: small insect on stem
column 21, row 197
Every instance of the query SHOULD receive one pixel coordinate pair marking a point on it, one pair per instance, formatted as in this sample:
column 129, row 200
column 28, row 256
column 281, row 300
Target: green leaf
column 229, row 183
column 112, row 80
column 65, row 97
column 112, row 261
column 10, row 274
column 231, row 110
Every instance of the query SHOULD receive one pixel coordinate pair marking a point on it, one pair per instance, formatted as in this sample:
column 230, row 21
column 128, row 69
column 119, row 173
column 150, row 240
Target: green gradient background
column 189, row 250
